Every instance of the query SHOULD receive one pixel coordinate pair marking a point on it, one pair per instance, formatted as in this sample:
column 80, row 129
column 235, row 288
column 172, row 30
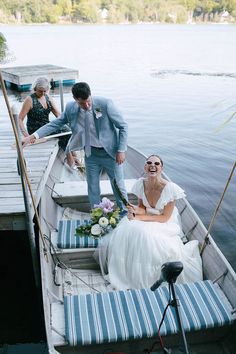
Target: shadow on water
column 28, row 348
column 21, row 326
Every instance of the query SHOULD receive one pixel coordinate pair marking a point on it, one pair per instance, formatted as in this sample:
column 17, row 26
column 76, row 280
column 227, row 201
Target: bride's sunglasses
column 155, row 163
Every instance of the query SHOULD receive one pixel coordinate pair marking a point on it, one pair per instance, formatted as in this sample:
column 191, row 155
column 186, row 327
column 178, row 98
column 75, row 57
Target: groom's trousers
column 99, row 161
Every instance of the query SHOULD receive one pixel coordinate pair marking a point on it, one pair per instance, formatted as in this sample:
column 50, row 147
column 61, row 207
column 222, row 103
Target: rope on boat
column 22, row 161
column 206, row 239
column 62, row 265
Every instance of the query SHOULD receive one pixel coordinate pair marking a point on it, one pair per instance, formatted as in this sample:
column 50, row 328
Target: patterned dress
column 39, row 116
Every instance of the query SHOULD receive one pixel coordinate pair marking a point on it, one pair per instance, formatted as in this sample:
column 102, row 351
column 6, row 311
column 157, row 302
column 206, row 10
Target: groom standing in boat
column 99, row 129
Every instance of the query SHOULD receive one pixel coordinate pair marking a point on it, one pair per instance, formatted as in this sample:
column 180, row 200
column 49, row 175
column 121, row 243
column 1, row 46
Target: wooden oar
column 46, row 138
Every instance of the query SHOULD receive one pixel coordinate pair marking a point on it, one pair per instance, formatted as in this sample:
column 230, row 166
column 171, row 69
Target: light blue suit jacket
column 111, row 128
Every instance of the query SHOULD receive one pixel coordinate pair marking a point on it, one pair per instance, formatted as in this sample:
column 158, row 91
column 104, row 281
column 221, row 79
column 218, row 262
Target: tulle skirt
column 131, row 255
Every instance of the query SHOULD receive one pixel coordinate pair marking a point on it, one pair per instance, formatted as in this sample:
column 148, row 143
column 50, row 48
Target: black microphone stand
column 176, row 305
column 169, row 272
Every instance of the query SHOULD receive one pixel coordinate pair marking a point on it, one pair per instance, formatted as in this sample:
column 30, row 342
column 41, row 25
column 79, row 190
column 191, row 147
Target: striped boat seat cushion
column 67, row 239
column 136, row 314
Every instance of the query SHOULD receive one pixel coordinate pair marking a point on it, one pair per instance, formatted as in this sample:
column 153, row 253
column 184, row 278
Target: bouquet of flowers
column 103, row 219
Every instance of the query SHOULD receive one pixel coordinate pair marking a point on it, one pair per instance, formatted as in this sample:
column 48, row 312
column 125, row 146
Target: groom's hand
column 28, row 140
column 120, row 157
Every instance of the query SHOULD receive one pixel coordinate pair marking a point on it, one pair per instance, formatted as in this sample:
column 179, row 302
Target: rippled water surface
column 175, row 86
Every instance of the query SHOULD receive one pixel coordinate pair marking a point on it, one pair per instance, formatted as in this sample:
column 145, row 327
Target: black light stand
column 169, row 272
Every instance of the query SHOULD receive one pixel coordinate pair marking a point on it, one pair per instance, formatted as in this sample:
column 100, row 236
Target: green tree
column 64, row 7
column 4, row 51
column 229, row 5
column 134, row 10
column 118, row 11
column 87, row 10
column 177, row 11
column 190, row 6
column 207, row 8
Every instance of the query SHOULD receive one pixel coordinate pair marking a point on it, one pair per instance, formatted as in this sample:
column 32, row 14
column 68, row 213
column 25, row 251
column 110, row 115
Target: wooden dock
column 39, row 160
column 22, row 77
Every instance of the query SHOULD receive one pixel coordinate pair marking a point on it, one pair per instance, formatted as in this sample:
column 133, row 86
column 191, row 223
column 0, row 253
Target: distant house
column 103, row 13
column 226, row 17
column 225, row 14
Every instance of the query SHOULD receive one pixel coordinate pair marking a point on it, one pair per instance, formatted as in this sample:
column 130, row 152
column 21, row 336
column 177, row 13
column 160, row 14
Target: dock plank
column 10, row 210
column 4, row 202
column 15, row 187
column 11, row 194
column 39, row 159
column 14, row 180
column 31, row 174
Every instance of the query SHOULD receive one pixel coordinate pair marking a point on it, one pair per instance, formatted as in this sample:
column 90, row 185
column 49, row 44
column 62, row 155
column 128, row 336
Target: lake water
column 175, row 85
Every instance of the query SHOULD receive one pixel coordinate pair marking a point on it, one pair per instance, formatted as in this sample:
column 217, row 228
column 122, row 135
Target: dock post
column 61, row 95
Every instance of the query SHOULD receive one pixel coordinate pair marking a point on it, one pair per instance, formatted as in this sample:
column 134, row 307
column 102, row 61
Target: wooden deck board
column 14, row 180
column 5, row 188
column 39, row 159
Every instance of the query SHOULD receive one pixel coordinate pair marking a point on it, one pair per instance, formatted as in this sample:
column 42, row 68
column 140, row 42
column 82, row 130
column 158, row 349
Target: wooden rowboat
column 83, row 314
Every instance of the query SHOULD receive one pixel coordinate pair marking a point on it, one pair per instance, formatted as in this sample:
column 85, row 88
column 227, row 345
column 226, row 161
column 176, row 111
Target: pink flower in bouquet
column 106, row 205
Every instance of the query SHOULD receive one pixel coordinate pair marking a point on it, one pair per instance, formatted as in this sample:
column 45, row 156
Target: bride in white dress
column 131, row 256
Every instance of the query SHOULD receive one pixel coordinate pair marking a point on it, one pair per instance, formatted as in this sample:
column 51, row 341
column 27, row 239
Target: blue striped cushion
column 67, row 239
column 135, row 314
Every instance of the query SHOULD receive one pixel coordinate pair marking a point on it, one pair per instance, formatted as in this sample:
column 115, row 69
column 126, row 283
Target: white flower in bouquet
column 103, row 221
column 96, row 230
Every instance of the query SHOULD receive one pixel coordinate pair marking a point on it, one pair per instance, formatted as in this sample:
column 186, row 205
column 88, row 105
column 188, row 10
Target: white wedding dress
column 131, row 255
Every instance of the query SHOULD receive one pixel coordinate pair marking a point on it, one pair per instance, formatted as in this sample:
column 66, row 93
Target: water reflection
column 18, row 96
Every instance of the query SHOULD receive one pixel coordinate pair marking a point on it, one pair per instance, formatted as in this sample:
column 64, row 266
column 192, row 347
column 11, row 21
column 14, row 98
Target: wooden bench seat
column 120, row 316
column 75, row 193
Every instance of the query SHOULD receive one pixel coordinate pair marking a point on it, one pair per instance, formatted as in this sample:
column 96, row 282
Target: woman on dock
column 37, row 108
column 132, row 255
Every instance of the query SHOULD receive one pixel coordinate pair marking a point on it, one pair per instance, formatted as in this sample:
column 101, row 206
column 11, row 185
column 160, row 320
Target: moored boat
column 83, row 314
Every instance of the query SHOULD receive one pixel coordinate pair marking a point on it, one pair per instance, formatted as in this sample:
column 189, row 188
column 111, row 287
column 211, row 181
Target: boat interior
column 84, row 314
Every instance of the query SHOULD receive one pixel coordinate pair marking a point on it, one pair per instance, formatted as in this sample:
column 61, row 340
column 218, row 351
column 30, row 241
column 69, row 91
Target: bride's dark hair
column 157, row 157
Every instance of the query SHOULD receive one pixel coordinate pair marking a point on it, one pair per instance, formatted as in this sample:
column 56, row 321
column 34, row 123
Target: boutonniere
column 98, row 112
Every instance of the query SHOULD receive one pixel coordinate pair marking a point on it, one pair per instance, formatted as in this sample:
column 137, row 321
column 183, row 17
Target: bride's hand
column 131, row 208
column 131, row 215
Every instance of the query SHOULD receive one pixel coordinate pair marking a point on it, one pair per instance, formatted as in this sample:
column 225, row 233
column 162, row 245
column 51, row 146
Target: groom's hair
column 81, row 90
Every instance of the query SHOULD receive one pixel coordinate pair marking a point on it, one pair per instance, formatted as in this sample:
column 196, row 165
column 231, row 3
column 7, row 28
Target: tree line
column 116, row 11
